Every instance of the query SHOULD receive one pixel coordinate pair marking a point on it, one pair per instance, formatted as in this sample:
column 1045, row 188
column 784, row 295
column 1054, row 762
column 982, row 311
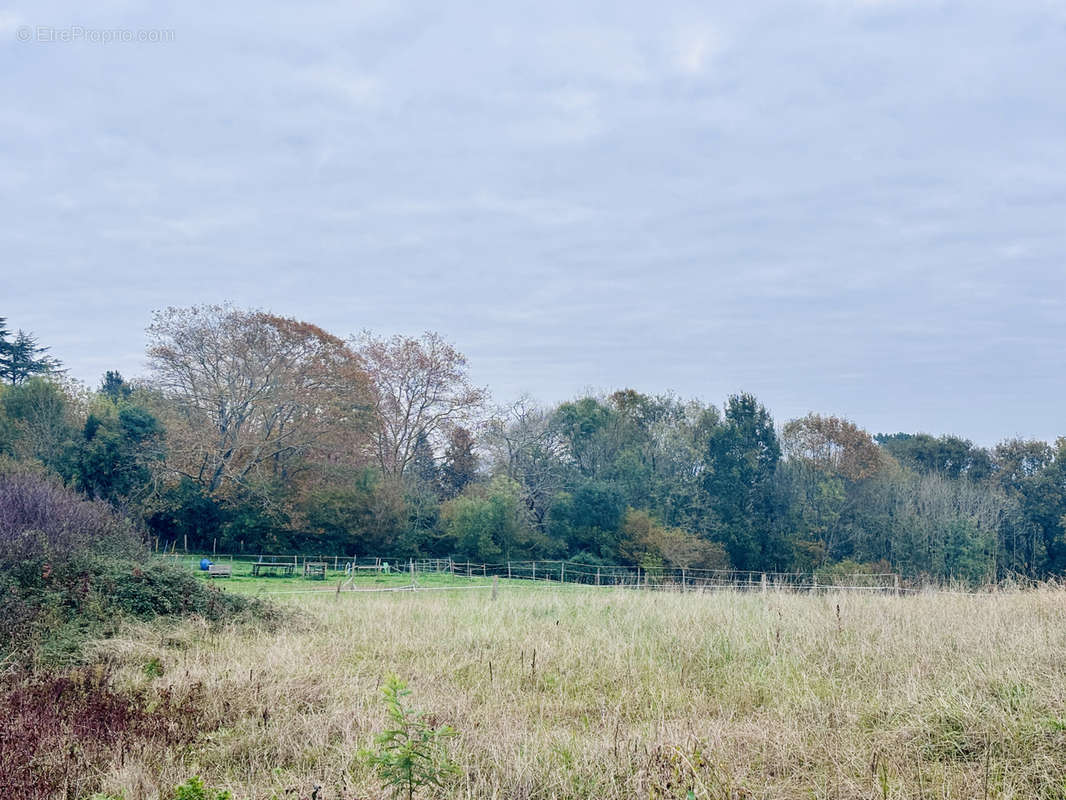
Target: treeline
column 254, row 432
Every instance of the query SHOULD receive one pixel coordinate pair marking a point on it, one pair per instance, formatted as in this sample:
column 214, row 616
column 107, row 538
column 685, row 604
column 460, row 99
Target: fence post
column 762, row 583
column 597, row 576
column 683, row 579
column 451, row 566
column 508, row 570
column 814, row 582
column 186, row 543
column 896, row 582
column 495, row 585
column 534, row 570
column 412, row 564
column 562, row 572
column 484, row 570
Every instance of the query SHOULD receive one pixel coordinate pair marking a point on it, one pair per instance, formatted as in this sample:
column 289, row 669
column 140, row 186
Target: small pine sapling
column 411, row 753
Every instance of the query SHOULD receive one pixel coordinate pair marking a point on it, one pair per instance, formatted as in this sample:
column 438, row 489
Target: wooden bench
column 220, row 571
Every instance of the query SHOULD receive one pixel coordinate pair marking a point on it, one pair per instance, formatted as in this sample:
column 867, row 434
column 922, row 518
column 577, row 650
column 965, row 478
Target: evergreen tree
column 742, row 455
column 460, row 463
column 23, row 358
column 115, row 386
column 424, row 465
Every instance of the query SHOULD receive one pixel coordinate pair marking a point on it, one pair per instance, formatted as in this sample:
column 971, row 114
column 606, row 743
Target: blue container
column 204, row 564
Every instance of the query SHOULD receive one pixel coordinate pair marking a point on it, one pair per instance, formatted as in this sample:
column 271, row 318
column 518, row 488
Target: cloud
column 355, row 88
column 694, row 48
column 776, row 196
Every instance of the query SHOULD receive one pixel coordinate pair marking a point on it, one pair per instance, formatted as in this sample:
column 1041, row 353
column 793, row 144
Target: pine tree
column 115, row 386
column 460, row 463
column 424, row 465
column 23, row 358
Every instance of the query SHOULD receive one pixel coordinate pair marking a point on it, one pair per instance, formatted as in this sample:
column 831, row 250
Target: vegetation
column 409, row 753
column 577, row 692
column 254, row 433
column 73, row 569
column 259, row 433
column 60, row 731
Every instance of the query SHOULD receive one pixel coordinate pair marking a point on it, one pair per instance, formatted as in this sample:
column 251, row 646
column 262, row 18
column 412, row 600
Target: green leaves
column 411, row 753
column 194, row 789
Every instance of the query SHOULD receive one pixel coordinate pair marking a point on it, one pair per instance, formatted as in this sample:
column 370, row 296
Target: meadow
column 560, row 692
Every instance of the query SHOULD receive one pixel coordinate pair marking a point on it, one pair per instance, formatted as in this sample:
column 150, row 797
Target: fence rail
column 570, row 572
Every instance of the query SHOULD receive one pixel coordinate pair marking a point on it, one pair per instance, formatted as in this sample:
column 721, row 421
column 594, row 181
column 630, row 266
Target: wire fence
column 545, row 572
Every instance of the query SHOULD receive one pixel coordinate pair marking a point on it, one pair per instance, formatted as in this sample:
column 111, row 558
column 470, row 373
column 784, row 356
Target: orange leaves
column 834, row 445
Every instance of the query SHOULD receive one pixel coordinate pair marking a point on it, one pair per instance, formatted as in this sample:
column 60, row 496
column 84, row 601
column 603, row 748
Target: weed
column 194, row 789
column 153, row 668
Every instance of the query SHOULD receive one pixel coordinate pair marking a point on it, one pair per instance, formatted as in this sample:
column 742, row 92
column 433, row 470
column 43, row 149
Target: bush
column 41, row 523
column 71, row 569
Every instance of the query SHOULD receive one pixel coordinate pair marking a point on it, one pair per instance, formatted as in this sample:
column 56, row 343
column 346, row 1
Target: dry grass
column 632, row 695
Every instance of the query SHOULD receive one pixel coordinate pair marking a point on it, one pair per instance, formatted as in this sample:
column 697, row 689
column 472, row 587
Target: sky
column 844, row 206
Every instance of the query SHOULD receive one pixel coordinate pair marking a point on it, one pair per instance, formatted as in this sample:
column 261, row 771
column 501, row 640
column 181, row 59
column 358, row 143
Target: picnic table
column 287, row 567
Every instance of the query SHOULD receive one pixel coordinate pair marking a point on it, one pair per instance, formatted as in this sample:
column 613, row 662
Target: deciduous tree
column 252, row 393
column 420, row 386
column 833, row 445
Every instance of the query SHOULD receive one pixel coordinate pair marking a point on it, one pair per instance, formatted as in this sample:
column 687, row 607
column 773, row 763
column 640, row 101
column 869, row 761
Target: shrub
column 71, row 569
column 42, row 523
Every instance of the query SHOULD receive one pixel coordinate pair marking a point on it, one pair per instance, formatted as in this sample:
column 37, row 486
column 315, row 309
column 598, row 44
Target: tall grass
column 560, row 693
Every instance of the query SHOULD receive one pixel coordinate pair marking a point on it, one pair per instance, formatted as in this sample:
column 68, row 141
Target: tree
column 644, row 536
column 742, row 455
column 526, row 447
column 115, row 387
column 424, row 467
column 589, row 520
column 1034, row 473
column 459, row 469
column 419, row 387
column 488, row 522
column 23, row 358
column 582, row 424
column 833, row 445
column 947, row 455
column 252, row 394
column 117, row 453
column 41, row 423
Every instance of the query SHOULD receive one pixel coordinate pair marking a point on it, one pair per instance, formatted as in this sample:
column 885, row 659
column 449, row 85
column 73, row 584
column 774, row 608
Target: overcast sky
column 842, row 206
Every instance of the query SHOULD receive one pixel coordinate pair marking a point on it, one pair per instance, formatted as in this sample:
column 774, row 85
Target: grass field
column 561, row 692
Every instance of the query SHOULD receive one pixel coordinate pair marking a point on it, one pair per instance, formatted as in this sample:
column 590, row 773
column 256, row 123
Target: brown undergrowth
column 60, row 732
